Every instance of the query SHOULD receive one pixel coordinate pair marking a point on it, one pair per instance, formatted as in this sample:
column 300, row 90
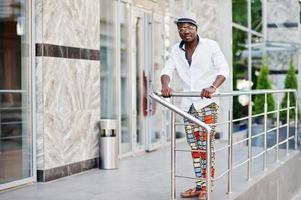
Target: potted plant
column 289, row 83
column 263, row 82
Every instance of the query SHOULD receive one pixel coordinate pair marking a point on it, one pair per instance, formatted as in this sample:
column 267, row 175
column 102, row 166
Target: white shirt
column 207, row 63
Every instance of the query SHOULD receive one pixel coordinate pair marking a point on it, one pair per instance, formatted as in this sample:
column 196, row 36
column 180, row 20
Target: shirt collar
column 182, row 43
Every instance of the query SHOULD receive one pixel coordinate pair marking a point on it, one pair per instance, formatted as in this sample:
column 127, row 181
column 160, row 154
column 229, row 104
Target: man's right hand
column 166, row 92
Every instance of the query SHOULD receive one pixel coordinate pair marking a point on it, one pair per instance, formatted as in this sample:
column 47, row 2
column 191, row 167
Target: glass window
column 107, row 69
column 240, row 69
column 125, row 97
column 256, row 13
column 157, row 111
column 15, row 133
column 240, row 12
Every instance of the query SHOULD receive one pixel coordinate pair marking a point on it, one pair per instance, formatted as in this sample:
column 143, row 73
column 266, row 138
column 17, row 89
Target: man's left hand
column 207, row 92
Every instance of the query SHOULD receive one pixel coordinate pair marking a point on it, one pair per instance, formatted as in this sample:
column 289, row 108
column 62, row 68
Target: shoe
column 190, row 193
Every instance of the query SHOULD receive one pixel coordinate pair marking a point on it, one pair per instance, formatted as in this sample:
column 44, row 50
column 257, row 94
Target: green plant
column 263, row 82
column 289, row 83
column 239, row 16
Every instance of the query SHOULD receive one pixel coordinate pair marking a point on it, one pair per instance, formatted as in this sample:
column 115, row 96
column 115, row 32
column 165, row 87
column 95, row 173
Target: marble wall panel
column 72, row 23
column 280, row 12
column 207, row 13
column 92, row 24
column 64, row 22
column 40, row 140
column 38, row 21
column 39, row 84
column 54, row 139
column 283, row 34
column 71, row 93
column 71, row 85
column 70, row 137
column 67, row 90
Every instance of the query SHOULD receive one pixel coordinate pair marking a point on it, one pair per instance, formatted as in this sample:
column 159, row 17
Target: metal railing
column 230, row 144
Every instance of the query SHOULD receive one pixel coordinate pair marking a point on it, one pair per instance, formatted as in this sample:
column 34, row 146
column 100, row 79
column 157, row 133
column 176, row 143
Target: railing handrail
column 180, row 112
column 195, row 120
column 156, row 97
column 230, row 93
column 12, row 91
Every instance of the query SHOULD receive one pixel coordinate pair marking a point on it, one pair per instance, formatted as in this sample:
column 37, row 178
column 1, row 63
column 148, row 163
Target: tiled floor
column 144, row 177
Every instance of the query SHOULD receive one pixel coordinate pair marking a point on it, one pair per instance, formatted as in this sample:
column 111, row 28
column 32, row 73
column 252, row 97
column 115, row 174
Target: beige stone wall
column 67, row 90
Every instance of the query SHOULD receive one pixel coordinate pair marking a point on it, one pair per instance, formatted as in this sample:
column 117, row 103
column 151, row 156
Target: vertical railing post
column 277, row 130
column 265, row 132
column 249, row 139
column 208, row 165
column 173, row 160
column 288, row 122
column 296, row 122
column 230, row 144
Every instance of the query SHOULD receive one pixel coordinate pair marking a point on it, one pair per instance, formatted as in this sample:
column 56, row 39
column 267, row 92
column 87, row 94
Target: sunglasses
column 187, row 28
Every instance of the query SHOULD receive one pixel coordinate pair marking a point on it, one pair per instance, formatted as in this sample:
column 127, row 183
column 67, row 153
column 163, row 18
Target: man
column 201, row 66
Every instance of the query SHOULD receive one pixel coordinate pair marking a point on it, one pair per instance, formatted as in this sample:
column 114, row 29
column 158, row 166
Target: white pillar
column 225, row 42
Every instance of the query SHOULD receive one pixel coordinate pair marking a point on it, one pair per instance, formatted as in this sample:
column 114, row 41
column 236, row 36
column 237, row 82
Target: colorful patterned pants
column 196, row 138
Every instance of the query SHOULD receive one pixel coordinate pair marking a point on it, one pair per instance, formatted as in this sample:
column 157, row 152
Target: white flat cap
column 187, row 17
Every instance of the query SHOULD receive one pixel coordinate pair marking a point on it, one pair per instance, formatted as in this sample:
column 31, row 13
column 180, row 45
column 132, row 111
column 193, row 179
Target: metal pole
column 230, row 143
column 288, row 121
column 249, row 139
column 265, row 132
column 180, row 112
column 224, row 94
column 296, row 123
column 249, row 43
column 264, row 26
column 173, row 141
column 277, row 130
column 208, row 166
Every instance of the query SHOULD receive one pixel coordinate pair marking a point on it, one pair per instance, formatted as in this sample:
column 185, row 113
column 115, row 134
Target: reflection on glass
column 107, row 69
column 257, row 54
column 240, row 12
column 138, row 31
column 256, row 13
column 156, row 114
column 125, row 81
column 15, row 137
column 240, row 68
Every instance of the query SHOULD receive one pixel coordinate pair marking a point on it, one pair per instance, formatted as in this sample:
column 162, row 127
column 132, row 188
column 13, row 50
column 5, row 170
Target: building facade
column 67, row 64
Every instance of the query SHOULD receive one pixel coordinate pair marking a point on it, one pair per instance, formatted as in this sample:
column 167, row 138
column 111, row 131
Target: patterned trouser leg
column 196, row 138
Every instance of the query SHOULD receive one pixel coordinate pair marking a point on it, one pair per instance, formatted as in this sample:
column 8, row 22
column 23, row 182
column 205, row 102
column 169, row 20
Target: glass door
column 139, row 87
column 155, row 62
column 125, row 132
column 148, row 60
column 16, row 138
column 142, row 121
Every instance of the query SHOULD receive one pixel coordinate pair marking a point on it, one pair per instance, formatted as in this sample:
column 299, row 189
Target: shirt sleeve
column 169, row 67
column 219, row 61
